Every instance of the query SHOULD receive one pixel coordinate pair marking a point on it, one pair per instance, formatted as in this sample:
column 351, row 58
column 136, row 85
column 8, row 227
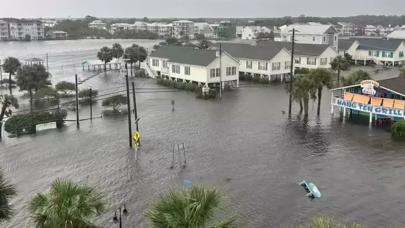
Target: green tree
column 45, row 97
column 117, row 51
column 31, row 78
column 115, row 101
column 67, row 205
column 303, row 90
column 65, row 87
column 265, row 36
column 135, row 54
column 356, row 78
column 86, row 95
column 7, row 191
column 194, row 207
column 204, row 44
column 172, row 41
column 105, row 55
column 340, row 64
column 6, row 102
column 10, row 66
column 321, row 78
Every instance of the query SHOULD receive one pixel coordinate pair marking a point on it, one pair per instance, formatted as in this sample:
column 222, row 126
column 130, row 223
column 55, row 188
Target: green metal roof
column 185, row 55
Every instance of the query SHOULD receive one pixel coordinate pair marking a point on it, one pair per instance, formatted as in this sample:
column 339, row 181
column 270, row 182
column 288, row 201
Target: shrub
column 140, row 73
column 25, row 123
column 402, row 72
column 115, row 101
column 398, row 129
column 85, row 96
column 45, row 97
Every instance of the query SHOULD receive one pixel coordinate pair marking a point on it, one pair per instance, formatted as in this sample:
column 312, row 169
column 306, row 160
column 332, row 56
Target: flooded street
column 243, row 144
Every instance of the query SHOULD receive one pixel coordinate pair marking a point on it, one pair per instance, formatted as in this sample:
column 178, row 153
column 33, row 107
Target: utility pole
column 91, row 105
column 291, row 72
column 220, row 70
column 77, row 104
column 135, row 110
column 129, row 113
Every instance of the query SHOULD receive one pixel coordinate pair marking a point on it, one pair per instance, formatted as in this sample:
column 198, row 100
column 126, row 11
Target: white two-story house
column 204, row 67
column 269, row 62
column 378, row 51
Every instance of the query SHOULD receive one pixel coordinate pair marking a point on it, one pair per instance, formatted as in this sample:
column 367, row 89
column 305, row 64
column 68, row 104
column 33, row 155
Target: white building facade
column 21, row 29
column 98, row 24
column 203, row 67
column 183, row 28
column 250, row 32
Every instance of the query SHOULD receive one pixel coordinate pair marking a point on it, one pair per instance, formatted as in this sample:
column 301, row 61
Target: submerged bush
column 25, row 123
column 329, row 222
column 398, row 129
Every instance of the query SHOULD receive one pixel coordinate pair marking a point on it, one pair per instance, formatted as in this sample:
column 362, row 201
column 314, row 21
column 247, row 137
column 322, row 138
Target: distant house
column 195, row 66
column 378, row 51
column 205, row 29
column 98, row 24
column 58, row 35
column 397, row 34
column 183, row 28
column 370, row 30
column 120, row 27
column 346, row 29
column 269, row 62
column 309, row 33
column 251, row 32
column 308, row 56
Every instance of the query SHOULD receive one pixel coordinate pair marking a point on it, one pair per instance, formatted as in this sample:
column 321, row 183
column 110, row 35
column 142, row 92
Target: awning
column 376, row 101
column 399, row 104
column 388, row 103
column 348, row 96
column 361, row 99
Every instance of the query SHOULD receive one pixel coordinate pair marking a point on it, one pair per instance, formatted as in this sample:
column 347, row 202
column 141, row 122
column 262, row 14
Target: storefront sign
column 379, row 110
column 368, row 87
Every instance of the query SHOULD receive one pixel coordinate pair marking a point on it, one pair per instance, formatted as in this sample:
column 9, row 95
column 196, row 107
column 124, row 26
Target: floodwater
column 243, row 144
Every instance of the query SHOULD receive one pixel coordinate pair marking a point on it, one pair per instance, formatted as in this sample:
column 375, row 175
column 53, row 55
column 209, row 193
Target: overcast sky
column 197, row 8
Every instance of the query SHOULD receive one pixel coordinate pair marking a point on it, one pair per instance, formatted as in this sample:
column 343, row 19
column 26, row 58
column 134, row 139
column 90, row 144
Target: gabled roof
column 185, row 55
column 248, row 51
column 396, row 84
column 397, row 34
column 379, row 44
column 308, row 28
column 299, row 49
column 345, row 44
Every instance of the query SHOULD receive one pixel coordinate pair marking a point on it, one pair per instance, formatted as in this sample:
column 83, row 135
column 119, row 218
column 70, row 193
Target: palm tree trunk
column 9, row 84
column 338, row 77
column 30, row 91
column 306, row 105
column 319, row 100
column 131, row 69
column 105, row 66
column 301, row 108
column 3, row 111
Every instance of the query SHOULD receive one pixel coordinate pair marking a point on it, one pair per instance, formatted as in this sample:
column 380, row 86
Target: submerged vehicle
column 311, row 189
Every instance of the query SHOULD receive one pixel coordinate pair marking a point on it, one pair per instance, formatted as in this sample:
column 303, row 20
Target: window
column 217, row 72
column 324, row 61
column 383, row 54
column 249, row 64
column 228, row 71
column 287, row 64
column 212, row 73
column 187, row 70
column 401, row 54
column 276, row 66
column 324, row 38
column 391, row 55
column 233, row 70
column 262, row 65
column 370, row 53
column 311, row 61
column 313, row 38
column 155, row 62
column 377, row 54
column 298, row 60
column 176, row 69
column 164, row 63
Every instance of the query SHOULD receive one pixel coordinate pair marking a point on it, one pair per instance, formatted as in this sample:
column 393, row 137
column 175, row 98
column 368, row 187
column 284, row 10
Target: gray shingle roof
column 379, row 44
column 251, row 52
column 185, row 55
column 345, row 44
column 397, row 84
column 299, row 49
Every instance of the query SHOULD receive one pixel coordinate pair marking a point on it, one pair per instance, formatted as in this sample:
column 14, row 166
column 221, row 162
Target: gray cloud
column 197, row 8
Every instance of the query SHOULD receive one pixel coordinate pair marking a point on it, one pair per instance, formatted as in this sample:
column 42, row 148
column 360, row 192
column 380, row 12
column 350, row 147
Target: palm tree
column 194, row 207
column 67, row 205
column 6, row 102
column 356, row 78
column 117, row 51
column 340, row 63
column 11, row 66
column 321, row 78
column 303, row 90
column 7, row 191
column 105, row 55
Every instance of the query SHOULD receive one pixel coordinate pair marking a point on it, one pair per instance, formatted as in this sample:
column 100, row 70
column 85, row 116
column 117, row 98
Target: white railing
column 149, row 71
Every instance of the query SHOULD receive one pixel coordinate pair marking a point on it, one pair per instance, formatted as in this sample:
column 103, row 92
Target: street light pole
column 291, row 72
column 122, row 210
